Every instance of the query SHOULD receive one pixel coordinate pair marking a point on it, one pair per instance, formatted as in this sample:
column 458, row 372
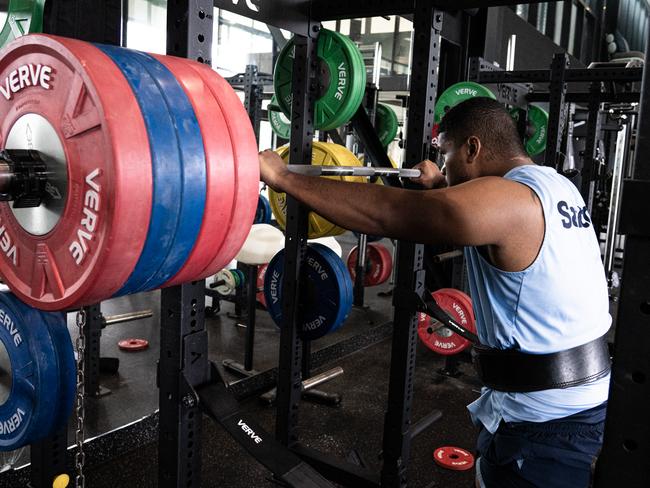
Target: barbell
column 363, row 171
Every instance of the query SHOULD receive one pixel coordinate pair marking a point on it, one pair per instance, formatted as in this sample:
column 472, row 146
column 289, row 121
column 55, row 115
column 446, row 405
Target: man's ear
column 473, row 147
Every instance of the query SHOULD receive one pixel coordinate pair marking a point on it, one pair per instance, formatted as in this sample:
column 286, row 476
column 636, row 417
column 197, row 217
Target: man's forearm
column 365, row 207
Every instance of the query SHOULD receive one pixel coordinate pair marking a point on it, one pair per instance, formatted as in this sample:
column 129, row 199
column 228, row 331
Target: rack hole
column 630, row 445
column 645, row 308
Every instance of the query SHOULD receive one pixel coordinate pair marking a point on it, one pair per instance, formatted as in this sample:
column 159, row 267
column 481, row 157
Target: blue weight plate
column 267, row 210
column 242, row 277
column 343, row 277
column 260, row 213
column 57, row 325
column 179, row 171
column 325, row 295
column 26, row 415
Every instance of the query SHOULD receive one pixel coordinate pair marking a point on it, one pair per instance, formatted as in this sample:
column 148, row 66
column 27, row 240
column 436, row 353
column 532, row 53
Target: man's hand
column 431, row 176
column 273, row 170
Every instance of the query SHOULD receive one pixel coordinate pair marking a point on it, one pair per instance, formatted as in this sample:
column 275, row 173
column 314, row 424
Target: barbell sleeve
column 128, row 317
column 310, row 170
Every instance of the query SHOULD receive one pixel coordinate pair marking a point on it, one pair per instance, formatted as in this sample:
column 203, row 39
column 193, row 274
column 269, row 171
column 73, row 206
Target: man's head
column 477, row 138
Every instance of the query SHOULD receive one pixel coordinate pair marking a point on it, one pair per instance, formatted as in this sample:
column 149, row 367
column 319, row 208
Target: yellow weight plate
column 323, row 154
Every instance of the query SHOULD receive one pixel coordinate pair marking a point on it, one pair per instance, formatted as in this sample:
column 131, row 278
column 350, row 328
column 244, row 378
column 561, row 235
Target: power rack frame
column 183, row 360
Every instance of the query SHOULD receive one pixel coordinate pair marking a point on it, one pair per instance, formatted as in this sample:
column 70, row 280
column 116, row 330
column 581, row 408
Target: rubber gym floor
column 353, row 427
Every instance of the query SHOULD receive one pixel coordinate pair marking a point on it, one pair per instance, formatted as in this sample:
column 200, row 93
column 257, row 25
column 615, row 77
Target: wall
column 533, row 49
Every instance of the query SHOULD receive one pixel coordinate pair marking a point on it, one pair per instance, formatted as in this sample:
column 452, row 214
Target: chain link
column 80, row 344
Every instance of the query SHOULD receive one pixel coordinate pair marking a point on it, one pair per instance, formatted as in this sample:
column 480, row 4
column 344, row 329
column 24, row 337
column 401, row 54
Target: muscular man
column 535, row 276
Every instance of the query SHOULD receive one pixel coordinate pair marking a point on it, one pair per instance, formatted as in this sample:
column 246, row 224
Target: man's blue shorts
column 554, row 454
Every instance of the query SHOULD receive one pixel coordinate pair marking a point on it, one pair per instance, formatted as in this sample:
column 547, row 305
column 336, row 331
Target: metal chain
column 80, row 344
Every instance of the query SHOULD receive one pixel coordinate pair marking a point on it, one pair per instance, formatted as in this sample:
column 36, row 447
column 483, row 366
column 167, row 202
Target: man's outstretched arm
column 481, row 212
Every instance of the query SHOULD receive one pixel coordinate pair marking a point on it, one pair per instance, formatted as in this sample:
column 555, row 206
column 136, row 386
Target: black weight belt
column 514, row 371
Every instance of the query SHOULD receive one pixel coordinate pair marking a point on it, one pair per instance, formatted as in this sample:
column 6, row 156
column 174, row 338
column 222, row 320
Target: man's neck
column 501, row 167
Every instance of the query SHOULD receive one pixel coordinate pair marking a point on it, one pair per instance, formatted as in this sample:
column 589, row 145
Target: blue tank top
column 560, row 301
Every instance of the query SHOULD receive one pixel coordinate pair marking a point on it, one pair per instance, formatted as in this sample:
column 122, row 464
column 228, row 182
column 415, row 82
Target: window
column 542, row 14
column 572, row 30
column 522, row 11
column 147, row 26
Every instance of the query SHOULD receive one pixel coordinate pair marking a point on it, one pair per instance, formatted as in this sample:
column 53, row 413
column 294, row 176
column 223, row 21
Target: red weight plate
column 468, row 303
column 434, row 132
column 444, row 341
column 66, row 97
column 374, row 269
column 261, row 273
column 387, row 260
column 220, row 170
column 133, row 344
column 453, row 458
column 246, row 166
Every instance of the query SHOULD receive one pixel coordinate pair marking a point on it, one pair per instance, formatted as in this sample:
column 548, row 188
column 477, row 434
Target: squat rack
column 183, row 356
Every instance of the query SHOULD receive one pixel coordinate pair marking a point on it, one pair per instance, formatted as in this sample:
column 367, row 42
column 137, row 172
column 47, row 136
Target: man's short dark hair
column 486, row 119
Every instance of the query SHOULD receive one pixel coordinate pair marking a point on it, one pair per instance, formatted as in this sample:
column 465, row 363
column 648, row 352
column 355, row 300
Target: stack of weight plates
column 153, row 164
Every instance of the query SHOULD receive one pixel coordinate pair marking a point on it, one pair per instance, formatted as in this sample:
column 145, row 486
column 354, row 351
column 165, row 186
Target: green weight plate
column 386, row 124
column 280, row 124
column 458, row 93
column 342, row 75
column 23, row 17
column 359, row 65
column 536, row 133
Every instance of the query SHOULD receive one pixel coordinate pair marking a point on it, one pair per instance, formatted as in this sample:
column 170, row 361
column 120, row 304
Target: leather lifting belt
column 514, row 371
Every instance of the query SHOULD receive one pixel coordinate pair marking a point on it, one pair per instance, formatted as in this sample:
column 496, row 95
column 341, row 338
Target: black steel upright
column 253, row 97
column 48, row 459
column 93, row 333
column 183, row 338
column 557, row 109
column 410, row 274
column 183, row 365
column 302, row 133
column 624, row 458
column 590, row 157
